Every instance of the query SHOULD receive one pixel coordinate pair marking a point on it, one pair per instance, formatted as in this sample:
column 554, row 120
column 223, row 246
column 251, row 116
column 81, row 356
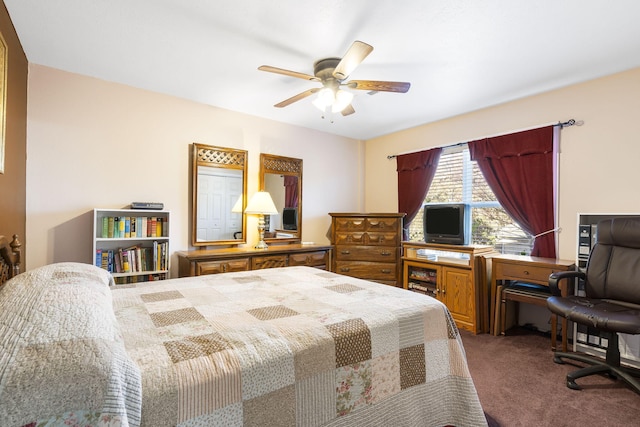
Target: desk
column 524, row 269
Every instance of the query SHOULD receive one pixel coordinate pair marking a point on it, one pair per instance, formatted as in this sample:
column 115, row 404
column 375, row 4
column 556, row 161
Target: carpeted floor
column 519, row 385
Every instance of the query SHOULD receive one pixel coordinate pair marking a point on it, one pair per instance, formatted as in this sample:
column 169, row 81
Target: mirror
column 282, row 178
column 218, row 195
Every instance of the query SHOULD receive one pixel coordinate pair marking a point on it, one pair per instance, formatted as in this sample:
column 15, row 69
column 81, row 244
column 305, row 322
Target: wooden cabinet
column 368, row 246
column 214, row 261
column 455, row 275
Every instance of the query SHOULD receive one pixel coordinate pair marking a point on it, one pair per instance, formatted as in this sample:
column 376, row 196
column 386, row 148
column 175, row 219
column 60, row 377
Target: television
column 290, row 218
column 446, row 223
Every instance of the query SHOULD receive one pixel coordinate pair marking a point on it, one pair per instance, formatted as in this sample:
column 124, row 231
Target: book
column 105, row 227
column 121, row 227
column 143, row 231
column 110, row 227
column 127, row 227
column 132, row 227
column 154, row 227
column 125, row 261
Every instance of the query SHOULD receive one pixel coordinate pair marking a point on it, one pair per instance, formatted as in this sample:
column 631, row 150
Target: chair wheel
column 573, row 385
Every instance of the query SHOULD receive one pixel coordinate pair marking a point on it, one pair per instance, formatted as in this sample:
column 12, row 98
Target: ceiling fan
column 332, row 73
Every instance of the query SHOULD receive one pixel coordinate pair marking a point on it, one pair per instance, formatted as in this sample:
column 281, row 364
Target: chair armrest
column 555, row 278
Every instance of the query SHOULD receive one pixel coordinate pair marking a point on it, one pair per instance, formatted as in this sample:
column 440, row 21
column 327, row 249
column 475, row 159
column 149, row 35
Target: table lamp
column 261, row 204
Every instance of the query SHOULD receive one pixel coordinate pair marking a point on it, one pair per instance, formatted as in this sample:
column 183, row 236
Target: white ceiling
column 459, row 55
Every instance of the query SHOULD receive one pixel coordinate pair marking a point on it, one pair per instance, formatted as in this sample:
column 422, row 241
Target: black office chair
column 611, row 303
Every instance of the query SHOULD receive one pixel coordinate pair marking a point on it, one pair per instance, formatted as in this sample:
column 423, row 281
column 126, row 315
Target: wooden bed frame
column 9, row 258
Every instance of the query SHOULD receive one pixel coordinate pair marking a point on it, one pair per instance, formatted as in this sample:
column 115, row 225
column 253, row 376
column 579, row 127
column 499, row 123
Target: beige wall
column 93, row 144
column 599, row 161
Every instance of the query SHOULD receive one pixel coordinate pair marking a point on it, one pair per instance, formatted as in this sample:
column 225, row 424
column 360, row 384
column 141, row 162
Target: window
column 458, row 179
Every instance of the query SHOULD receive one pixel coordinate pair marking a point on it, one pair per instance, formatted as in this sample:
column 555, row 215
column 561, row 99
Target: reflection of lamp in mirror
column 237, row 207
column 261, row 204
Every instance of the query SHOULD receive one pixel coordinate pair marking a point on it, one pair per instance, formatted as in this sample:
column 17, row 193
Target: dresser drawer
column 310, row 259
column 382, row 239
column 346, row 238
column 270, row 261
column 368, row 238
column 227, row 266
column 525, row 273
column 367, row 253
column 382, row 224
column 367, row 270
column 350, row 224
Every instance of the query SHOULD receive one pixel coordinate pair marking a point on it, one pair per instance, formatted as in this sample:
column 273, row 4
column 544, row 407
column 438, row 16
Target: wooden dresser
column 213, row 261
column 368, row 245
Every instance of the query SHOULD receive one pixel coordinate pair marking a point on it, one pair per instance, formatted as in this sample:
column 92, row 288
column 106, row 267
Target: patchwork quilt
column 294, row 346
column 291, row 346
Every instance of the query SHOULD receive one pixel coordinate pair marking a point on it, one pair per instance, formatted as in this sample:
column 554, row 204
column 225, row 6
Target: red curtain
column 519, row 169
column 415, row 173
column 290, row 191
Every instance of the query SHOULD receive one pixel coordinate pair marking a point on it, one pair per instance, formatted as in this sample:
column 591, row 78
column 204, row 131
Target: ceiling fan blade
column 288, row 73
column 381, row 86
column 354, row 56
column 297, row 97
column 348, row 110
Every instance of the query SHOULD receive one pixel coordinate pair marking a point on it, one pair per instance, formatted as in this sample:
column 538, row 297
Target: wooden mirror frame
column 272, row 164
column 220, row 158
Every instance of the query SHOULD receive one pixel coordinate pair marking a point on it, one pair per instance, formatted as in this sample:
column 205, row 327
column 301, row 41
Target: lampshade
column 237, row 207
column 337, row 100
column 343, row 98
column 261, row 203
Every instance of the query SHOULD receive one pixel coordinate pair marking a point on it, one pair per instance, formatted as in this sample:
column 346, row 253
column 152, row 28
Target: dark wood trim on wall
column 13, row 182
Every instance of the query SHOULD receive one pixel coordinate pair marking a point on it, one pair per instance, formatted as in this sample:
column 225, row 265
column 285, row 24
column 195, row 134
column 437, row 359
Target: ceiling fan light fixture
column 343, row 99
column 337, row 101
column 325, row 99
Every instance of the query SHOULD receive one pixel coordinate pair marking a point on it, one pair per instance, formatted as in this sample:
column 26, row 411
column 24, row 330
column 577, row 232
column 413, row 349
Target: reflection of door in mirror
column 218, row 195
column 218, row 192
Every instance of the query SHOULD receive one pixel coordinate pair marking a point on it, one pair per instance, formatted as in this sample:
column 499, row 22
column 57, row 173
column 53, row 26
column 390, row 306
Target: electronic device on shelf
column 446, row 223
column 147, row 205
column 290, row 218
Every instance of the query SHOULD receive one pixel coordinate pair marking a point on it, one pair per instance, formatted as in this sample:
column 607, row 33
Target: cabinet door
column 458, row 295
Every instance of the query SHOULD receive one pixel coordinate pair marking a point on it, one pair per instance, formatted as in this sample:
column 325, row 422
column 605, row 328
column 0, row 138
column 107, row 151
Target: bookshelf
column 586, row 339
column 132, row 244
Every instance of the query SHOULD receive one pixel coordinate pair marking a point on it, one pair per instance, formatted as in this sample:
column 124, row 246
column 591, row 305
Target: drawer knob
column 385, row 271
column 526, row 273
column 345, row 269
column 385, row 253
column 345, row 252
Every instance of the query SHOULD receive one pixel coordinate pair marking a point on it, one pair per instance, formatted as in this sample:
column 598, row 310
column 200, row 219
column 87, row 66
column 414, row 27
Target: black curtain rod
column 562, row 125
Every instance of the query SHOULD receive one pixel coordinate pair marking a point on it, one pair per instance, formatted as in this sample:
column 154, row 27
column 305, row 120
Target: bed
column 293, row 346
